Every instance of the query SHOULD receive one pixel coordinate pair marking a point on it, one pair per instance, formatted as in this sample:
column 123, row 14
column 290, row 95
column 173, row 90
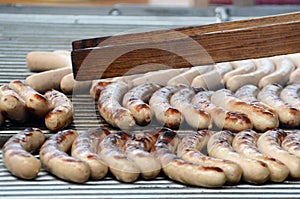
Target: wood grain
column 197, row 49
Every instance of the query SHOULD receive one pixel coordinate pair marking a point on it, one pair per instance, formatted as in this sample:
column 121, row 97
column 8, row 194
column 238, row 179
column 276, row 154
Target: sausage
column 248, row 93
column 97, row 86
column 244, row 143
column 163, row 111
column 12, row 105
column 123, row 168
column 288, row 114
column 17, row 155
column 54, row 157
column 38, row 61
column 187, row 77
column 137, row 149
column 155, row 76
column 110, row 108
column 194, row 116
column 284, row 67
column 85, row 148
column 69, row 85
column 179, row 170
column 62, row 113
column 294, row 77
column 136, row 99
column 290, row 94
column 221, row 117
column 189, row 149
column 263, row 68
column 295, row 58
column 291, row 142
column 47, row 80
column 239, row 67
column 269, row 143
column 219, row 146
column 35, row 102
column 212, row 80
column 262, row 119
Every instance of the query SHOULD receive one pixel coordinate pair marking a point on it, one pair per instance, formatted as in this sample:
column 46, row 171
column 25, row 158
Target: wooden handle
column 198, row 49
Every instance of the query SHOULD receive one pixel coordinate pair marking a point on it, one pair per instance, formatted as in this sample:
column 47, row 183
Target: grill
column 48, row 29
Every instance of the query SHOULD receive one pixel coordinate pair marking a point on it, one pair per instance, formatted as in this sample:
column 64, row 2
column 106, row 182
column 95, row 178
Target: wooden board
column 186, row 47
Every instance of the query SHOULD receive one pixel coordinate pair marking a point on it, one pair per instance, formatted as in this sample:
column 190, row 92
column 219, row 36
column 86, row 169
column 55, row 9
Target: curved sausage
column 221, row 117
column 16, row 153
column 85, row 148
column 12, row 105
column 262, row 119
column 284, row 67
column 179, row 170
column 110, row 108
column 195, row 117
column 244, row 143
column 248, row 93
column 97, row 86
column 137, row 149
column 240, row 67
column 288, row 114
column 189, row 149
column 263, row 68
column 54, row 157
column 36, row 103
column 163, row 111
column 219, row 146
column 290, row 94
column 291, row 142
column 269, row 143
column 187, row 77
column 135, row 100
column 212, row 80
column 62, row 112
column 123, row 168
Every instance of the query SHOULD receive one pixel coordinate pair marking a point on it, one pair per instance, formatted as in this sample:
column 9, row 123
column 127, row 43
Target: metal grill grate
column 22, row 33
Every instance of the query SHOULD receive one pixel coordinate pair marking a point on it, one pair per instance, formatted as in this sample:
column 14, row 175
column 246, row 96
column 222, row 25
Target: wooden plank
column 221, row 46
column 189, row 31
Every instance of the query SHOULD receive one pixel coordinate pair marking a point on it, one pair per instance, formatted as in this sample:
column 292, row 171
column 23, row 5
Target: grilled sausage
column 187, row 77
column 221, row 117
column 269, row 143
column 17, row 155
column 288, row 114
column 160, row 105
column 261, row 118
column 263, row 68
column 38, row 61
column 69, row 85
column 12, row 105
column 248, row 93
column 110, row 108
column 189, row 149
column 85, row 148
column 62, row 112
column 54, row 157
column 219, row 146
column 195, row 117
column 36, row 103
column 291, row 143
column 123, row 168
column 179, row 170
column 290, row 94
column 212, row 80
column 137, row 149
column 244, row 143
column 47, row 80
column 239, row 67
column 284, row 67
column 136, row 99
column 97, row 86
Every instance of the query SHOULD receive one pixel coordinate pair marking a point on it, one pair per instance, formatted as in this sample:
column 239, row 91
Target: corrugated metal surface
column 22, row 33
